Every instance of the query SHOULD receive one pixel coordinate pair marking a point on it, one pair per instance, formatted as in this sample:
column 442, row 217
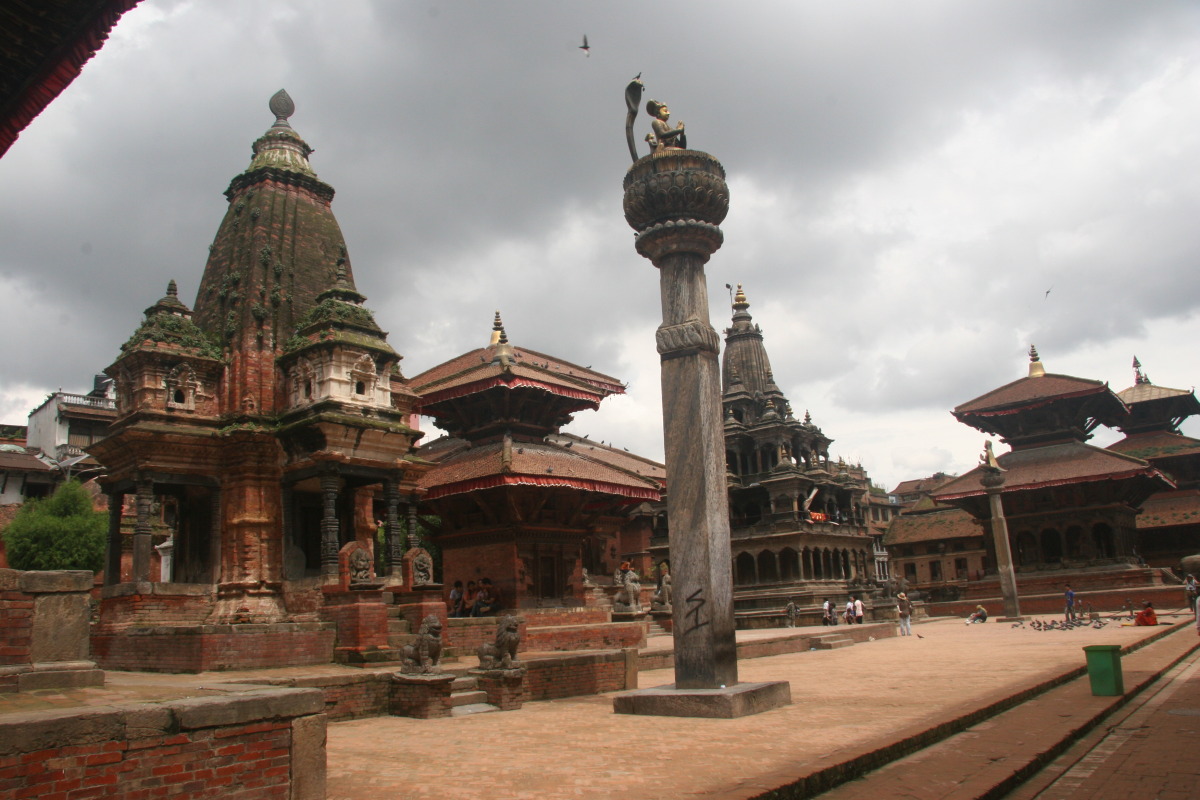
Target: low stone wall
column 364, row 693
column 201, row 648
column 543, row 617
column 1104, row 602
column 257, row 744
column 613, row 635
column 788, row 641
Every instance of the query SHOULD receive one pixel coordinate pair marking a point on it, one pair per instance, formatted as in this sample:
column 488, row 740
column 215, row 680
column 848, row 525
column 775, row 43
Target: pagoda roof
column 936, row 524
column 1030, row 392
column 1156, row 444
column 43, row 47
column 1052, row 465
column 613, row 456
column 921, row 485
column 482, row 369
column 1143, row 392
column 1167, row 509
column 508, row 463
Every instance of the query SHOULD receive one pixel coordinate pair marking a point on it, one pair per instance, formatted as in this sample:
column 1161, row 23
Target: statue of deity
column 665, row 137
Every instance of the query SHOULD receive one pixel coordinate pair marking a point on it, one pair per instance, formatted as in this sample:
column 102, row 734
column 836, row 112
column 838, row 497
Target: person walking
column 904, row 608
column 791, row 612
column 858, row 610
column 1192, row 588
column 1069, row 596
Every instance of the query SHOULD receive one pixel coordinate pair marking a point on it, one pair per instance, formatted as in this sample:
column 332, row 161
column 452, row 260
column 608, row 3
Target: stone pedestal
column 721, row 702
column 665, row 619
column 44, row 642
column 417, row 603
column 362, row 626
column 421, row 696
column 505, row 687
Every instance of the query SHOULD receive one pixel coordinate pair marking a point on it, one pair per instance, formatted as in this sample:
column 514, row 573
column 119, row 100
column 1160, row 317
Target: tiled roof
column 1156, row 444
column 22, row 462
column 1069, row 462
column 918, row 485
column 939, row 524
column 1032, row 390
column 478, row 365
column 1141, row 392
column 532, row 463
column 1170, row 508
column 610, row 454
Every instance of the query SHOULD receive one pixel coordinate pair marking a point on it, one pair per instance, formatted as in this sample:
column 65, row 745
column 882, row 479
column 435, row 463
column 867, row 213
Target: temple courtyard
column 978, row 710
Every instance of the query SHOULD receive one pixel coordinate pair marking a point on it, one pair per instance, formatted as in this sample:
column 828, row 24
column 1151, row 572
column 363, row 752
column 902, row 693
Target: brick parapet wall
column 257, row 744
column 201, row 648
column 466, row 635
column 1105, row 602
column 580, row 674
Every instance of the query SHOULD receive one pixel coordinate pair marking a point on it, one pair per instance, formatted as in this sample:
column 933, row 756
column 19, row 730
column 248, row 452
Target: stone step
column 464, row 683
column 474, row 708
column 833, row 642
column 468, row 698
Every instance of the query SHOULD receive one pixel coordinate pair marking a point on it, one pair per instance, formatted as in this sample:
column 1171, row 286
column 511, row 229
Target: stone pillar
column 112, row 545
column 992, row 479
column 413, row 539
column 395, row 547
column 329, row 526
column 675, row 200
column 141, row 530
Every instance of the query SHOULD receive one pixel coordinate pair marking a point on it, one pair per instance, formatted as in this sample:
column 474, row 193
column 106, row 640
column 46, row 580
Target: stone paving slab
column 847, row 704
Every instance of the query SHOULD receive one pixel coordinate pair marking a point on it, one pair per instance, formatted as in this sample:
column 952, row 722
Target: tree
column 62, row 531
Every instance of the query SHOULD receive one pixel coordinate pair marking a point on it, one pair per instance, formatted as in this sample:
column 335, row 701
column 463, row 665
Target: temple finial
column 499, row 336
column 1036, row 368
column 739, row 300
column 1139, row 377
column 173, row 290
column 282, row 107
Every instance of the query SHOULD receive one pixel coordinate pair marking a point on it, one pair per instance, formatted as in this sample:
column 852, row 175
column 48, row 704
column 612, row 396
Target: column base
column 740, row 700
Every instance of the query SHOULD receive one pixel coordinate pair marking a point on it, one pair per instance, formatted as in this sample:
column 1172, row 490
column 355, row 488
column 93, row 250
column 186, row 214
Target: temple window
column 181, row 386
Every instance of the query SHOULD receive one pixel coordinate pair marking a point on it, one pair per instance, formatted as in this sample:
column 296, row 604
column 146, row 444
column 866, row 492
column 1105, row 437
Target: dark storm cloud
column 907, row 180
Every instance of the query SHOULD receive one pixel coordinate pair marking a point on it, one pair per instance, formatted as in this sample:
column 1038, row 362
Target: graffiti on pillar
column 695, row 602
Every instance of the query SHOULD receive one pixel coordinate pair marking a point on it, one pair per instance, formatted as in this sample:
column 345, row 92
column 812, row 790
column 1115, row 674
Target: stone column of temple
column 112, row 552
column 675, row 200
column 142, row 531
column 992, row 480
column 413, row 539
column 395, row 547
column 329, row 526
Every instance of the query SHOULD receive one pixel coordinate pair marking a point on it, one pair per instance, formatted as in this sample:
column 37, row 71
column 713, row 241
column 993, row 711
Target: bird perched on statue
column 587, row 51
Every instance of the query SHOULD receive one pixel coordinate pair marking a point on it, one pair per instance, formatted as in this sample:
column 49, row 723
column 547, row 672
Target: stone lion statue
column 502, row 653
column 629, row 594
column 424, row 656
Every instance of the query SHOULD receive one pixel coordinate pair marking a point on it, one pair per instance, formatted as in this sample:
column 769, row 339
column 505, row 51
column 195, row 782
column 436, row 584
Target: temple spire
column 739, row 300
column 282, row 106
column 1139, row 377
column 499, row 336
column 1036, row 368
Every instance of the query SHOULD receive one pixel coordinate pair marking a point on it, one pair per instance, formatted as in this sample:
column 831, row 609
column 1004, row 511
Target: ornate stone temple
column 520, row 503
column 270, row 427
column 798, row 521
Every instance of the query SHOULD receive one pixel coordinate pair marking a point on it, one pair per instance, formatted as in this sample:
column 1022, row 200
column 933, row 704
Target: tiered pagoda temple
column 798, row 521
column 1168, row 528
column 1069, row 505
column 269, row 426
column 519, row 502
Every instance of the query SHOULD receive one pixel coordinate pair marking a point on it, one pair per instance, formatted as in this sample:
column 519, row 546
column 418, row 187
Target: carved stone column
column 329, row 526
column 395, row 546
column 992, row 480
column 675, row 200
column 413, row 539
column 142, row 530
column 112, row 551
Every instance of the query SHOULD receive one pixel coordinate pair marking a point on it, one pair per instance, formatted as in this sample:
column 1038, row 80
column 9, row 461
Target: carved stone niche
column 356, row 568
column 182, row 387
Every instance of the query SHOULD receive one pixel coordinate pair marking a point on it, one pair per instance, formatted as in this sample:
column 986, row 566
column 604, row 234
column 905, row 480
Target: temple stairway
column 467, row 699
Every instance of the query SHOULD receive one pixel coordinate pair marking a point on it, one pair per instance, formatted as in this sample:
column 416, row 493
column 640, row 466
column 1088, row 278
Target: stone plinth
column 44, row 618
column 665, row 619
column 421, row 696
column 505, row 687
column 418, row 602
column 362, row 626
column 720, row 703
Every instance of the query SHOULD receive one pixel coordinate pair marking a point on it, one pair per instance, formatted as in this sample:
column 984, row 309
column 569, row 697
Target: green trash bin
column 1104, row 669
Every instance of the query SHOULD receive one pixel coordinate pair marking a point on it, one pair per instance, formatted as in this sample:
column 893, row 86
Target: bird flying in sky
column 587, row 51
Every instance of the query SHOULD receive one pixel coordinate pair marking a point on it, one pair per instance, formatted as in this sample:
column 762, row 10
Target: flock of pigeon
column 1054, row 625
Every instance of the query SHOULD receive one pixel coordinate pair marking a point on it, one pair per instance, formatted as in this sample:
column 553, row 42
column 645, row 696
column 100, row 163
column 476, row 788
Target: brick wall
column 580, row 674
column 16, row 627
column 1106, row 602
column 252, row 745
column 465, row 635
column 215, row 647
column 364, row 694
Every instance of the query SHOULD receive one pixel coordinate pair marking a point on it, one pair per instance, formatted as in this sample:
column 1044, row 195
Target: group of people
column 474, row 601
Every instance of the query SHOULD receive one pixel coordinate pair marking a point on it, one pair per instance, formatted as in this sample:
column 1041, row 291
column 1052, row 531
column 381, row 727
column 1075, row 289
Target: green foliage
column 59, row 532
column 176, row 330
column 427, row 527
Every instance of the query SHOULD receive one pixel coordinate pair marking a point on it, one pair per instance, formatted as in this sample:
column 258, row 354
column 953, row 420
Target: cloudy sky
column 908, row 180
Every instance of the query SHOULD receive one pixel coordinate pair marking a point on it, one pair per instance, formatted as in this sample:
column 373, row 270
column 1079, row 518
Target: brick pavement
column 849, row 705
